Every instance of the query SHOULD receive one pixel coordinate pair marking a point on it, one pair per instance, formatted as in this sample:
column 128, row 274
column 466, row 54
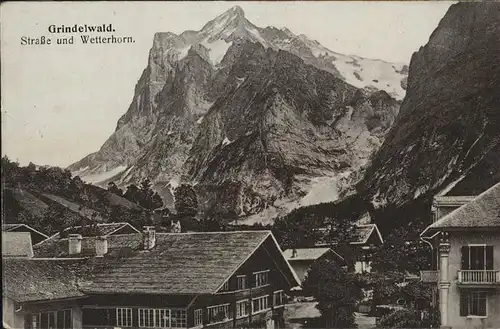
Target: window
column 278, row 298
column 105, row 317
column 178, row 318
column 241, row 308
column 477, row 257
column 162, row 318
column 146, row 318
column 53, row 319
column 198, row 317
column 64, row 319
column 242, row 282
column 473, row 303
column 225, row 286
column 219, row 313
column 260, row 304
column 260, row 278
column 124, row 317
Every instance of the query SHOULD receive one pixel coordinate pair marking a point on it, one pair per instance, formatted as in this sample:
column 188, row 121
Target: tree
column 337, row 292
column 298, row 229
column 114, row 189
column 132, row 194
column 186, row 200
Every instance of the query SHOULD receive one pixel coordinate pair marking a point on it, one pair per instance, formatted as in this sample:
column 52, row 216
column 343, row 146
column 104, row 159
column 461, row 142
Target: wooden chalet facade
column 152, row 280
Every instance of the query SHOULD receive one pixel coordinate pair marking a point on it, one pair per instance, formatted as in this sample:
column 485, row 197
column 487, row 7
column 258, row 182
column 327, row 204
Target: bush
column 400, row 319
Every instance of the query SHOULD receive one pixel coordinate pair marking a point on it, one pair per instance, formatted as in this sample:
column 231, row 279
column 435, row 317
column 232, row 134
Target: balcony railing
column 479, row 276
column 429, row 276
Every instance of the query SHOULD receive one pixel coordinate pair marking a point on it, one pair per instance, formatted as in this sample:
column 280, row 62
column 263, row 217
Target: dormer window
column 241, row 282
column 225, row 287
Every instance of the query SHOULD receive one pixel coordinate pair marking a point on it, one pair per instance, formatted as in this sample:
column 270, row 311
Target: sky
column 61, row 102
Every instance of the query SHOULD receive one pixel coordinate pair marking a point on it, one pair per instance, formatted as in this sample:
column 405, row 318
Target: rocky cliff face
column 447, row 135
column 260, row 120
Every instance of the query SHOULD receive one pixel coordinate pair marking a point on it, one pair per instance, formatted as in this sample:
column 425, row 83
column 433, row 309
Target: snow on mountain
column 217, row 36
column 259, row 119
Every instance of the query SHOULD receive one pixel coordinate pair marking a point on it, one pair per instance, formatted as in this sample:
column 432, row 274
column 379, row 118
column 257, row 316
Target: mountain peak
column 226, row 21
column 234, row 13
column 237, row 10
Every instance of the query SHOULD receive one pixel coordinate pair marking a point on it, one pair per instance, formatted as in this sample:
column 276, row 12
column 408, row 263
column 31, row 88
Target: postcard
column 306, row 164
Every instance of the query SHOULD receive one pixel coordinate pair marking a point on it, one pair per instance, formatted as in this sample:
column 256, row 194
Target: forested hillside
column 50, row 199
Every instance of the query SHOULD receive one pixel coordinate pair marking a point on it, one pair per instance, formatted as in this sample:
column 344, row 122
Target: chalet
column 102, row 229
column 363, row 240
column 467, row 239
column 301, row 259
column 36, row 236
column 150, row 280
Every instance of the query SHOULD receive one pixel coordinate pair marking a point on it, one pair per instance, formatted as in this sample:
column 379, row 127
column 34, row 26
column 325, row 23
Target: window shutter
column 489, row 257
column 465, row 258
column 464, row 304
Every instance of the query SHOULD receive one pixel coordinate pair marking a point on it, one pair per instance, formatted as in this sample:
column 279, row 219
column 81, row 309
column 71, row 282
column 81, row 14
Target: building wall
column 457, row 240
column 259, row 261
column 74, row 305
column 9, row 315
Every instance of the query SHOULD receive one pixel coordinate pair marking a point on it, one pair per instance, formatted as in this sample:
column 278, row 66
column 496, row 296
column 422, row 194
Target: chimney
column 101, row 246
column 75, row 244
column 148, row 237
column 175, row 226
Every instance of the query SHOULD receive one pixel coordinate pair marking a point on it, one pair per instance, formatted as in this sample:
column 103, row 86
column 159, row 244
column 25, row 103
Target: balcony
column 429, row 276
column 479, row 277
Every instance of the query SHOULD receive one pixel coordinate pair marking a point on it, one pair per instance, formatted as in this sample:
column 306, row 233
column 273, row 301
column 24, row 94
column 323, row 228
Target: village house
column 36, row 236
column 301, row 259
column 150, row 280
column 365, row 238
column 468, row 271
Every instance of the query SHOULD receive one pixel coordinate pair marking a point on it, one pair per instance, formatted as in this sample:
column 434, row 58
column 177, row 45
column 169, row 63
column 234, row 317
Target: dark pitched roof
column 184, row 263
column 105, row 229
column 17, row 244
column 34, row 279
column 363, row 232
column 482, row 212
column 180, row 263
column 360, row 235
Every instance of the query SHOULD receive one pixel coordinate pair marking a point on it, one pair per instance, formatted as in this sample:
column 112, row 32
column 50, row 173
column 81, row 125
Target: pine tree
column 186, row 200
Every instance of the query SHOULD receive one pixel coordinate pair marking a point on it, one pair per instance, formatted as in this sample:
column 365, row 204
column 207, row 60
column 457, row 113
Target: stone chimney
column 75, row 244
column 101, row 246
column 148, row 237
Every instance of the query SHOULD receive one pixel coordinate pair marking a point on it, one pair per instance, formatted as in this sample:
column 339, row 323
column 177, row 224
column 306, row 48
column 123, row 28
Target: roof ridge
column 216, row 232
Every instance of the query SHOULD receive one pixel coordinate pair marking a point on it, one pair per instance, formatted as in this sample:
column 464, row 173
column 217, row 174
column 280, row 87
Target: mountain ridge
column 210, row 103
column 445, row 138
